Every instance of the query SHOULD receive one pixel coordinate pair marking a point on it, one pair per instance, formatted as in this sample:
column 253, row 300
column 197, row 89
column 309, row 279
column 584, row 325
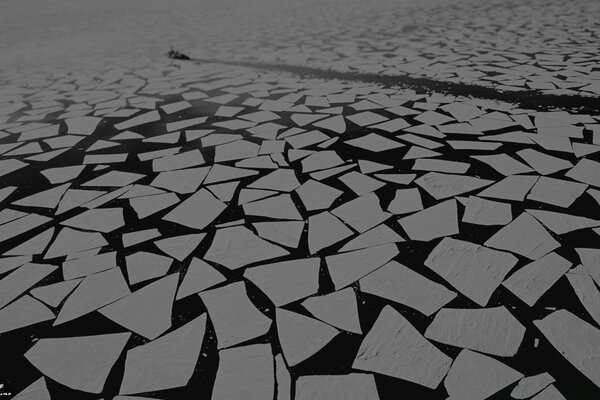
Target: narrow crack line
column 530, row 99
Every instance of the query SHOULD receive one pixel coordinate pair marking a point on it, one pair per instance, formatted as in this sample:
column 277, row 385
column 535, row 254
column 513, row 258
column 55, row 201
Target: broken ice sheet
column 285, row 233
column 398, row 283
column 381, row 234
column 362, row 213
column 433, row 222
column 286, row 281
column 349, row 267
column 93, row 292
column 81, row 363
column 23, row 312
column 245, row 373
column 179, row 247
column 374, row 142
column 237, row 246
column 442, row 186
column 510, row 188
column 339, row 309
column 531, row 385
column 557, row 192
column 166, row 362
column 197, row 211
column 395, row 348
column 146, row 311
column 576, row 340
column 328, row 387
column 316, row 195
column 278, row 207
column 406, row 201
column 524, row 236
column 300, row 336
column 325, row 230
column 233, row 315
column 504, row 164
column 36, row 391
column 474, row 270
column 101, row 219
column 490, row 330
column 89, row 265
column 486, row 212
column 181, row 181
column 586, row 171
column 531, row 281
column 543, row 163
column 474, row 376
column 21, row 279
column 199, row 276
